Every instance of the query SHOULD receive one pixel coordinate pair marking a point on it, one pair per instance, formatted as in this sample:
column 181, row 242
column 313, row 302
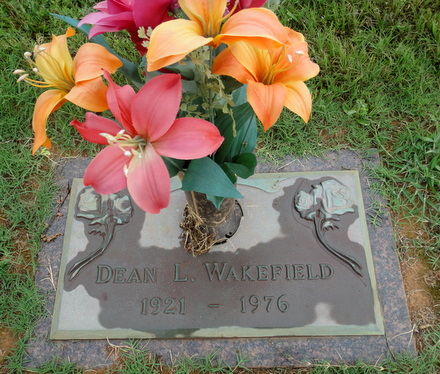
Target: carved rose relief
column 330, row 197
column 322, row 205
column 105, row 212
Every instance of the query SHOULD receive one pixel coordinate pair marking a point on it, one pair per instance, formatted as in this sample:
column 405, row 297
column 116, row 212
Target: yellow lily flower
column 274, row 77
column 76, row 80
column 173, row 40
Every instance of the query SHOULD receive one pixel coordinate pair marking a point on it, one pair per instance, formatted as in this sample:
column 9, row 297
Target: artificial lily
column 150, row 130
column 275, row 78
column 130, row 15
column 76, row 80
column 171, row 41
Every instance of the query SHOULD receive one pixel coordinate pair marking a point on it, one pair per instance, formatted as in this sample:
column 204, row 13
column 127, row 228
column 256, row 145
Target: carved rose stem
column 108, row 236
column 350, row 261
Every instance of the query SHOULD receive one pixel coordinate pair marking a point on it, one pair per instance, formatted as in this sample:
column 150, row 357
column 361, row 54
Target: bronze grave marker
column 300, row 264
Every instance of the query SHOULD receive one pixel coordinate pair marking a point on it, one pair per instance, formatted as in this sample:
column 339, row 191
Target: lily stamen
column 122, row 139
column 22, row 78
column 281, row 65
column 53, row 75
column 126, row 170
column 34, row 82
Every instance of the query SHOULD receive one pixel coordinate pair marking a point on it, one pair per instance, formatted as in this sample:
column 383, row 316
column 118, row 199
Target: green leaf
column 173, row 165
column 187, row 86
column 216, row 200
column 239, row 95
column 243, row 165
column 205, row 176
column 129, row 69
column 231, row 85
column 245, row 139
column 230, row 174
column 186, row 69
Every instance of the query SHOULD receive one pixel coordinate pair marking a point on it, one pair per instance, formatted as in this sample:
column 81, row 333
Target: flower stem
column 211, row 94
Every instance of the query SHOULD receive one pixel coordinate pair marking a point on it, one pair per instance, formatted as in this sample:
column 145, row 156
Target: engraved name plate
column 299, row 264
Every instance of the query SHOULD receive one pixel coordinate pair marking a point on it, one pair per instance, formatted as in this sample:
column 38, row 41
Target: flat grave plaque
column 300, row 264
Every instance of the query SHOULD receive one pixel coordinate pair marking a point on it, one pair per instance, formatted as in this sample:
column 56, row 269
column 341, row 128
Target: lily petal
column 243, row 4
column 302, row 67
column 267, row 101
column 106, row 171
column 58, row 51
column 109, row 23
column 173, row 40
column 47, row 103
column 150, row 13
column 299, row 100
column 102, row 6
column 255, row 60
column 189, row 138
column 91, row 59
column 251, row 3
column 226, row 64
column 92, row 18
column 155, row 106
column 148, row 181
column 119, row 101
column 95, row 125
column 257, row 26
column 90, row 95
column 294, row 36
column 209, row 14
column 118, row 6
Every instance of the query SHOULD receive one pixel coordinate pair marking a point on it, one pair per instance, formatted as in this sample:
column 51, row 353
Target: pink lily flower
column 133, row 158
column 243, row 4
column 130, row 15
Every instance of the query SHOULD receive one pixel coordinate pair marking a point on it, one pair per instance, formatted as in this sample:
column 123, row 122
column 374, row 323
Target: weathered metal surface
column 299, row 264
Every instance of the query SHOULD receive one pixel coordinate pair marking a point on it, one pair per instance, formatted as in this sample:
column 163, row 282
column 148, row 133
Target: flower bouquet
column 209, row 69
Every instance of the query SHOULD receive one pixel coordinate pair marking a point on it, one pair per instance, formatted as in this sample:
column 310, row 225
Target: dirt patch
column 421, row 282
column 335, row 137
column 7, row 343
column 23, row 257
column 419, row 292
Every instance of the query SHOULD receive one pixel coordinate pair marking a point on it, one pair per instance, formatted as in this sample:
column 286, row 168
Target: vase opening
column 204, row 225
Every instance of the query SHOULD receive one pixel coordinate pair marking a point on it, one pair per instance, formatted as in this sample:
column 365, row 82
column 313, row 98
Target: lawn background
column 378, row 89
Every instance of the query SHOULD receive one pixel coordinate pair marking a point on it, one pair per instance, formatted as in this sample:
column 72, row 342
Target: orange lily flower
column 275, row 77
column 76, row 80
column 173, row 40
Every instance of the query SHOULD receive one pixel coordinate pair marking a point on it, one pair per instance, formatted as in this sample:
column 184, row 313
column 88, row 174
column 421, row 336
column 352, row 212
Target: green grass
column 137, row 360
column 378, row 88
